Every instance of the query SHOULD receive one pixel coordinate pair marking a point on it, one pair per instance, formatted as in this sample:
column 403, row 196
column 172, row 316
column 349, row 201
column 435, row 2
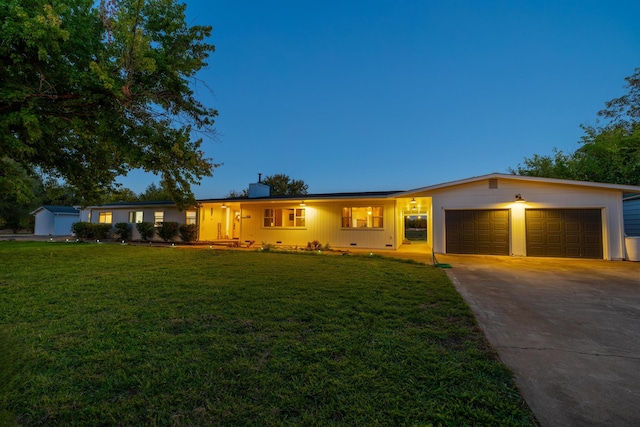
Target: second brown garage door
column 571, row 233
column 477, row 231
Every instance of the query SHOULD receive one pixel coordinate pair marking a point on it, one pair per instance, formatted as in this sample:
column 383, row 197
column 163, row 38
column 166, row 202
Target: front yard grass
column 133, row 335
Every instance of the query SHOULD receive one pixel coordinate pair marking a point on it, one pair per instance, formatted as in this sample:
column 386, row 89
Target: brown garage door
column 568, row 233
column 477, row 231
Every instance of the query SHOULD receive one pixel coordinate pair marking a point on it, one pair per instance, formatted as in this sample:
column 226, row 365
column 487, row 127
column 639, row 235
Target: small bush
column 316, row 246
column 188, row 232
column 87, row 230
column 81, row 229
column 168, row 230
column 145, row 229
column 101, row 231
column 123, row 231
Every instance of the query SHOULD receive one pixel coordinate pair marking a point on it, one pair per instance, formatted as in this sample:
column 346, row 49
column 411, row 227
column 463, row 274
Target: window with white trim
column 105, row 217
column 158, row 218
column 135, row 217
column 191, row 217
column 285, row 217
column 362, row 217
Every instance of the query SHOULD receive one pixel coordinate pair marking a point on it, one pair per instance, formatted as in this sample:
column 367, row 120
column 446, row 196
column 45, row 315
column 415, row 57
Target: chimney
column 259, row 189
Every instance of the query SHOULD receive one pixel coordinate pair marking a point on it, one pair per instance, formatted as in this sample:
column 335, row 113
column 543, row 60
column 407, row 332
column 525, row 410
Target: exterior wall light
column 413, row 201
column 519, row 198
column 303, row 204
column 223, row 206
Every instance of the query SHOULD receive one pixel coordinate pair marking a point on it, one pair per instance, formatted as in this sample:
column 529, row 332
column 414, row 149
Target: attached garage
column 483, row 232
column 568, row 233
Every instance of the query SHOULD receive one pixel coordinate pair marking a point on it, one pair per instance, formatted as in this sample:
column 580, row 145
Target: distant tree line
column 15, row 213
column 609, row 151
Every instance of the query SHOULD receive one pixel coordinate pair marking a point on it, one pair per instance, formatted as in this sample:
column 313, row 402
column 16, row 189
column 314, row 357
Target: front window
column 191, row 217
column 105, row 218
column 362, row 217
column 135, row 217
column 158, row 218
column 288, row 217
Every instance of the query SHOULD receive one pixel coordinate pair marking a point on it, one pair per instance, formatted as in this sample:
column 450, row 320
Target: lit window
column 191, row 217
column 105, row 218
column 284, row 217
column 158, row 218
column 135, row 217
column 362, row 217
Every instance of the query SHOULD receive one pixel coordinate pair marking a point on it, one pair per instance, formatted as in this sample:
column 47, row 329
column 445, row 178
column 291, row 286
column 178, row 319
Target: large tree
column 283, row 185
column 609, row 150
column 90, row 91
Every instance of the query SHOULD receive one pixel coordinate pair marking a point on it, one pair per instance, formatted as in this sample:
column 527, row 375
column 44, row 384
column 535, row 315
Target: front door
column 415, row 228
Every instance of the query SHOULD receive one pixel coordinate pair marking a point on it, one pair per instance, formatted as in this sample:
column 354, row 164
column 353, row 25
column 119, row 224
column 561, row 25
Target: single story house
column 136, row 212
column 494, row 214
column 55, row 220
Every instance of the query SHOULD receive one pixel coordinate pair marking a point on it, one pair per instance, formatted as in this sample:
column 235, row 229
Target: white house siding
column 121, row 214
column 63, row 223
column 632, row 216
column 54, row 223
column 44, row 223
column 323, row 222
column 541, row 195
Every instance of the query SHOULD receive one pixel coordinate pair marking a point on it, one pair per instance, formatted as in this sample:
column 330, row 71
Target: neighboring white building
column 55, row 220
column 631, row 206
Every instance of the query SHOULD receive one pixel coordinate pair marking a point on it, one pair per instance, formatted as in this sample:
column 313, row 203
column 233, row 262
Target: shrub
column 168, row 230
column 100, row 231
column 123, row 230
column 145, row 229
column 81, row 229
column 87, row 230
column 317, row 246
column 188, row 232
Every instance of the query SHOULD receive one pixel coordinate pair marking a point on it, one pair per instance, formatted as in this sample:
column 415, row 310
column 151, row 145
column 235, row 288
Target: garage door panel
column 485, row 231
column 574, row 233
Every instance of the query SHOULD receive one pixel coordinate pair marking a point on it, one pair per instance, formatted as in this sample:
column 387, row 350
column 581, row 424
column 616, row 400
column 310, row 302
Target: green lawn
column 111, row 334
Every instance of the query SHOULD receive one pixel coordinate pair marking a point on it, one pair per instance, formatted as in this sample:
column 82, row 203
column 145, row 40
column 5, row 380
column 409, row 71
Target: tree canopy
column 609, row 152
column 281, row 185
column 90, row 91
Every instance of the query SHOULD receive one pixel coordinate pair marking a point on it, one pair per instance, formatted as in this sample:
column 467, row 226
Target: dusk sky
column 394, row 95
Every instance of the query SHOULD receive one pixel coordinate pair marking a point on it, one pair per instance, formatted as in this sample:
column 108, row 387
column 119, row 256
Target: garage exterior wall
column 540, row 195
column 632, row 216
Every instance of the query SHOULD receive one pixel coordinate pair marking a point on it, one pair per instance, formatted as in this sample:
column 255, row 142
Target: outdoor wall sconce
column 519, row 198
column 223, row 206
column 413, row 201
column 303, row 204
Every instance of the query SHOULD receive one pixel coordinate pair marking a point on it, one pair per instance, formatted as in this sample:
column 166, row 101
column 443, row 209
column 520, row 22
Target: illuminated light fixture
column 303, row 204
column 519, row 198
column 413, row 201
column 223, row 206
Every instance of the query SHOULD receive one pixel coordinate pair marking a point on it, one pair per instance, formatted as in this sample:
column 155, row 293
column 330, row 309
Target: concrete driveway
column 568, row 329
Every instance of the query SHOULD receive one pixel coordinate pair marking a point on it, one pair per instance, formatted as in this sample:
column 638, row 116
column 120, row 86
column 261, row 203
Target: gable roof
column 626, row 188
column 62, row 210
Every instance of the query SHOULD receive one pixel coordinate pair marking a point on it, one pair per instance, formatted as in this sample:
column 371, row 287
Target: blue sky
column 393, row 95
